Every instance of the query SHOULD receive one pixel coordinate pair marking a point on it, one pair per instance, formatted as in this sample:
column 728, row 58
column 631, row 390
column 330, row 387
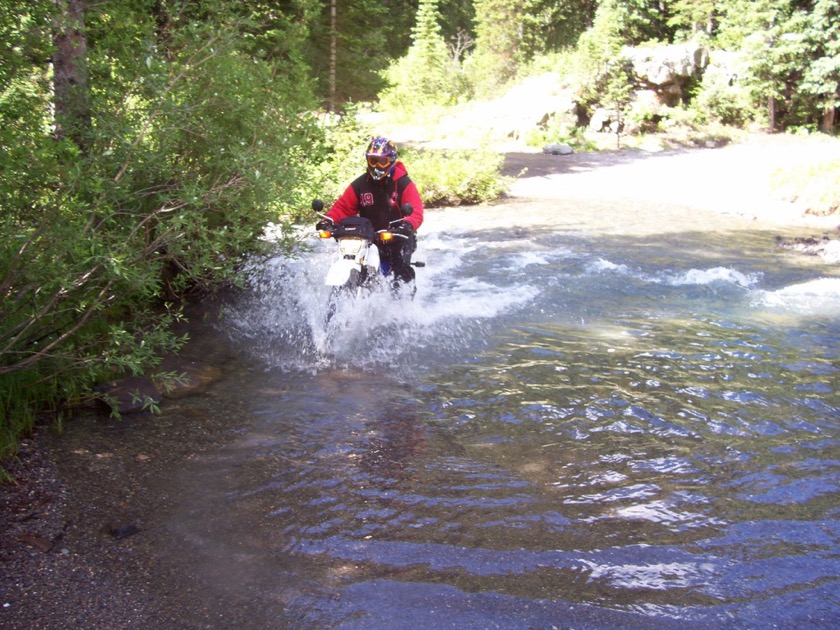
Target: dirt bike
column 358, row 268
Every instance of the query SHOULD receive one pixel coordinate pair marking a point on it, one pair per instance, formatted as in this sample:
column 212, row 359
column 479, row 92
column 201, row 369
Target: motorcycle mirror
column 407, row 209
column 317, row 205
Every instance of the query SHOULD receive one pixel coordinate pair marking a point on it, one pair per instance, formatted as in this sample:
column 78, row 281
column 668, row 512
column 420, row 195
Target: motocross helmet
column 381, row 156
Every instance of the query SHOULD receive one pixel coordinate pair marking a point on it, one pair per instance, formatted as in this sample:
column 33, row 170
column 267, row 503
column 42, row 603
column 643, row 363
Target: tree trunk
column 333, row 50
column 828, row 119
column 771, row 112
column 70, row 77
column 162, row 27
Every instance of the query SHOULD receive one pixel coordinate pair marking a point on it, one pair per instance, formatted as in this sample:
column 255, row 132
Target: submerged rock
column 177, row 377
column 129, row 395
column 173, row 379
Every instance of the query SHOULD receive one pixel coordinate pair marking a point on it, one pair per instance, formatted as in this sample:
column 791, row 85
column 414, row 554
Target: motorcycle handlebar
column 385, row 235
column 397, row 221
column 407, row 210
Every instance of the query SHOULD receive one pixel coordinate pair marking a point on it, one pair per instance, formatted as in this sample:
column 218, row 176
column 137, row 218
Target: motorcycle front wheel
column 337, row 296
column 350, row 290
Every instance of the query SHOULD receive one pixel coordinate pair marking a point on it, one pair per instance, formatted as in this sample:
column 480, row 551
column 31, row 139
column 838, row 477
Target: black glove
column 405, row 228
column 324, row 224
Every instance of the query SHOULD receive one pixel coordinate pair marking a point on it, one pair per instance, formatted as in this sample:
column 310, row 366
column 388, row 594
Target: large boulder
column 726, row 66
column 666, row 65
column 601, row 120
column 558, row 149
column 665, row 70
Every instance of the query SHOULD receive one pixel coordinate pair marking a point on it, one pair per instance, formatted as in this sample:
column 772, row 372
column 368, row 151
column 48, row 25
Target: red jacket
column 377, row 200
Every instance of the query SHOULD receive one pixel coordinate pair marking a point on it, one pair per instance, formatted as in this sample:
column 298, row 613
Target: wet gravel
column 82, row 536
column 60, row 568
column 83, row 540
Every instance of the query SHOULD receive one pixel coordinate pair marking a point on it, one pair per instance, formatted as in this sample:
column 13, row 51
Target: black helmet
column 381, row 156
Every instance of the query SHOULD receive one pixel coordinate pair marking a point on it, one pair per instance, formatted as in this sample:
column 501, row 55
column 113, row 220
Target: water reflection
column 395, row 442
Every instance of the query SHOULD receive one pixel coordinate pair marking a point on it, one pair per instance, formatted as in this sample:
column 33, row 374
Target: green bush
column 721, row 98
column 425, row 76
column 452, row 178
column 340, row 158
column 191, row 152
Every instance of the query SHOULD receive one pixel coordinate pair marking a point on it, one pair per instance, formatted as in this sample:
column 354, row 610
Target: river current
column 589, row 416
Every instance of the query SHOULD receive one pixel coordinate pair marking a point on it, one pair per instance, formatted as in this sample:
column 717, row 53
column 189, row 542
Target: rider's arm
column 412, row 196
column 345, row 206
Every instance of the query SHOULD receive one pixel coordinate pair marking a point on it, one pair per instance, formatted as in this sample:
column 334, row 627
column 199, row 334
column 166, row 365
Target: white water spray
column 282, row 320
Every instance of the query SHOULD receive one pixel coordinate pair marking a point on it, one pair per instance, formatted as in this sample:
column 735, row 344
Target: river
column 599, row 411
column 591, row 415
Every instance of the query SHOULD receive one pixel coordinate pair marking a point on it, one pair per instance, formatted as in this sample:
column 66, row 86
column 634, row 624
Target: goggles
column 379, row 161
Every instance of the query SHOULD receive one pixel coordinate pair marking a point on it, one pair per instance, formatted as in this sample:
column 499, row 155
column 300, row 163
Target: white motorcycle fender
column 372, row 259
column 339, row 272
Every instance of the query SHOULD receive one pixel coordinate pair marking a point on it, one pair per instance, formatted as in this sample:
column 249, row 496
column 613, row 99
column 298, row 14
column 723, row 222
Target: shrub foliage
column 186, row 151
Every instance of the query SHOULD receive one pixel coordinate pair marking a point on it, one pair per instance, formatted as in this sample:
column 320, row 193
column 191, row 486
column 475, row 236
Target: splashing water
column 820, row 297
column 287, row 311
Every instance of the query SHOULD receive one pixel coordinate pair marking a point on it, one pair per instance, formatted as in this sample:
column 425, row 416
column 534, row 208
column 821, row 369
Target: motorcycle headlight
column 350, row 246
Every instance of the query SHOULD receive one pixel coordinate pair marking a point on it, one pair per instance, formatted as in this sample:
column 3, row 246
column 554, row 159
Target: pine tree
column 424, row 76
column 792, row 57
column 499, row 50
column 822, row 77
column 696, row 16
column 428, row 51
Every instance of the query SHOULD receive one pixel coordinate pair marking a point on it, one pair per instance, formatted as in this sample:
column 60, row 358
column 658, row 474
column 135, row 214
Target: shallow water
column 587, row 417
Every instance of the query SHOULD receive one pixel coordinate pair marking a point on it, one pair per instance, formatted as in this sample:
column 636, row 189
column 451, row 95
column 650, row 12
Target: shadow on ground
column 543, row 164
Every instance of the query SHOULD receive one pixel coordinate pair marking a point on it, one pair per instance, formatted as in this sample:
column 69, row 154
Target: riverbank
column 738, row 179
column 80, row 543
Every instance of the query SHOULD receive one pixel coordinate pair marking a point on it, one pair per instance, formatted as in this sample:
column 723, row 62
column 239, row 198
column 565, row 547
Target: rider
column 378, row 195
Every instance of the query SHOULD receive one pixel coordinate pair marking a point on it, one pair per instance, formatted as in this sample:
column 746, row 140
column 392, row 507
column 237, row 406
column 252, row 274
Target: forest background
column 146, row 144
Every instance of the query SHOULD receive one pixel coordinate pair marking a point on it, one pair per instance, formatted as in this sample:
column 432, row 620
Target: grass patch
column 21, row 395
column 815, row 186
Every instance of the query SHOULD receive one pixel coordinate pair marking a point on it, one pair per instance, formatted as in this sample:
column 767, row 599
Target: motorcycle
column 358, row 268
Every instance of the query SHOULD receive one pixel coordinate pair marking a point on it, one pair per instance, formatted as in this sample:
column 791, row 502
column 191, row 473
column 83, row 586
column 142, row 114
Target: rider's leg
column 401, row 270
